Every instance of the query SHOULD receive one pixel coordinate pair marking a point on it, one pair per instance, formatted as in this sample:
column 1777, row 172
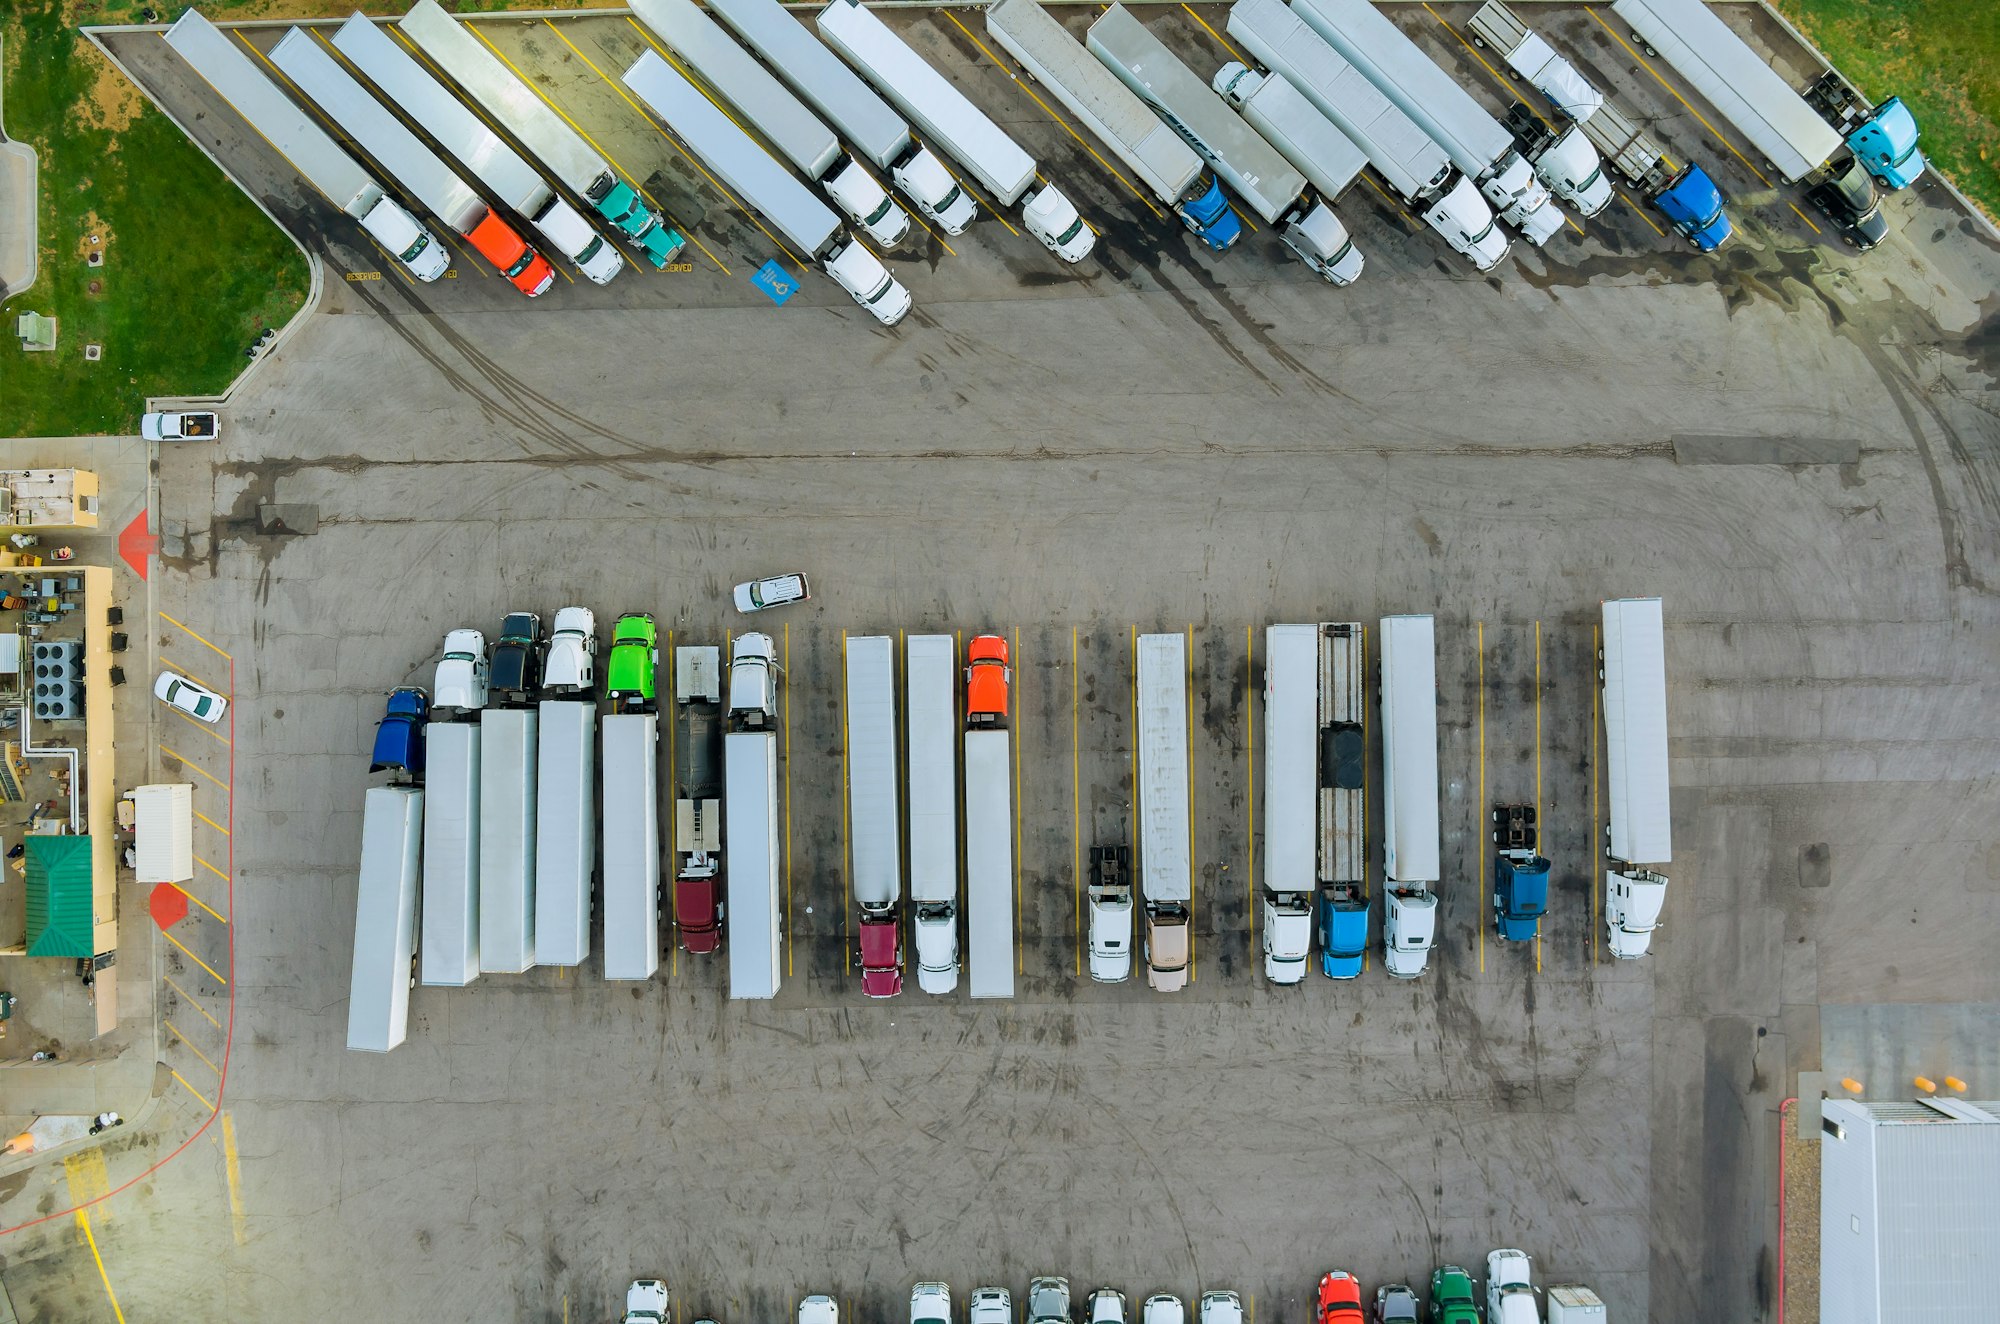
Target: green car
column 1451, row 1297
column 635, row 653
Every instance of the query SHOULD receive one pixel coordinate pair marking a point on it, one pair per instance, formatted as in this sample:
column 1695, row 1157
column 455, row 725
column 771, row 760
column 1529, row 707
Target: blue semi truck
column 1520, row 875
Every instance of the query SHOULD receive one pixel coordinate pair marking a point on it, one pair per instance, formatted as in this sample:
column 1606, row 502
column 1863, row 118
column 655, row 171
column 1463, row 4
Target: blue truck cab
column 1520, row 895
column 1694, row 204
column 620, row 203
column 399, row 737
column 1210, row 217
column 1886, row 143
column 1343, row 929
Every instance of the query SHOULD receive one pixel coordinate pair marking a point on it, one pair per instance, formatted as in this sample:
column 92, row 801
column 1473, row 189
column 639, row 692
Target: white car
column 989, row 1305
column 571, row 662
column 1164, row 1308
column 1510, row 1295
column 819, row 1309
column 1224, row 1307
column 461, row 680
column 1107, row 1306
column 930, row 1303
column 200, row 425
column 646, row 1302
column 197, row 701
column 772, row 591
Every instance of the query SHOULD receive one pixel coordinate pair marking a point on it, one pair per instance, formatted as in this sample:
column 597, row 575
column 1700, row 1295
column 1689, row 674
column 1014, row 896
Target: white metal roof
column 750, row 855
column 1635, row 731
column 631, row 844
column 1291, row 756
column 1409, row 749
column 932, row 664
column 873, row 821
column 989, row 865
column 1165, row 855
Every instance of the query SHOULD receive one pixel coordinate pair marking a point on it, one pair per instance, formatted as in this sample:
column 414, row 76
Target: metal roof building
column 1909, row 1210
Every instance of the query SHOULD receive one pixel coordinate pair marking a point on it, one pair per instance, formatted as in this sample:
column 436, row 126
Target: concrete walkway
column 17, row 217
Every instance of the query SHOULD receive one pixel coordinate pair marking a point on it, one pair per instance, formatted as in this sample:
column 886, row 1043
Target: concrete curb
column 31, row 205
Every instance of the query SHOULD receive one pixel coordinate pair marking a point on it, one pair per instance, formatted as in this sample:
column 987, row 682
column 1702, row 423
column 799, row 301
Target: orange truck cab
column 986, row 677
column 498, row 243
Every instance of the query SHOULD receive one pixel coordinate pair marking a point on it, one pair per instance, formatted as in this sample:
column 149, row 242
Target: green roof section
column 60, row 922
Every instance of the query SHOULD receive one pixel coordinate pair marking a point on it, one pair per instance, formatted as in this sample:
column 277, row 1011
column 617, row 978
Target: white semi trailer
column 565, row 830
column 1291, row 795
column 385, row 918
column 767, row 188
column 631, row 910
column 451, row 854
column 1566, row 161
column 1633, row 667
column 989, row 863
column 396, row 73
column 954, row 123
column 750, row 836
column 780, row 118
column 1409, row 793
column 1416, row 169
column 508, row 748
column 931, row 710
column 875, row 833
column 1254, row 170
column 1166, row 864
column 311, row 150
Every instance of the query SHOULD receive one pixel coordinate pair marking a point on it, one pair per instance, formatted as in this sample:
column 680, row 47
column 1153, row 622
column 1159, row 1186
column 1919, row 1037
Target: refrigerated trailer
column 875, row 833
column 323, row 163
column 750, row 836
column 1168, row 167
column 1633, row 668
column 698, row 798
column 1291, row 785
column 989, row 863
column 1409, row 793
column 508, row 747
column 565, row 830
column 1342, row 859
column 396, row 73
column 631, row 909
column 385, row 919
column 467, row 61
column 931, row 711
column 1166, row 864
column 451, row 854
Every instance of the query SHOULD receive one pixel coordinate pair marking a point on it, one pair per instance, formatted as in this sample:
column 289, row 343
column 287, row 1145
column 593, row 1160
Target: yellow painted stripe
column 846, row 807
column 1075, row 800
column 673, row 820
column 211, row 822
column 202, row 727
column 192, row 957
column 192, row 766
column 1478, row 920
column 1390, row 200
column 83, row 1221
column 991, row 210
column 1677, row 96
column 1250, row 775
column 191, row 1089
column 1642, row 215
column 191, row 634
column 232, row 1170
column 1194, row 870
column 1236, row 54
column 1596, row 851
column 199, row 902
column 191, row 1046
column 211, row 868
column 1020, row 950
column 1541, row 829
column 791, row 930
column 1801, row 215
column 189, row 999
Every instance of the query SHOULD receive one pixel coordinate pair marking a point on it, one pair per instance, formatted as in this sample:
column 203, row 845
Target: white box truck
column 1166, row 863
column 767, row 188
column 163, row 831
column 1633, row 668
column 1415, row 168
column 860, row 116
column 565, row 830
column 1571, row 1303
column 931, row 677
column 875, row 834
column 508, row 748
column 311, row 150
column 1409, row 793
column 989, row 863
column 467, row 61
column 451, row 854
column 783, row 121
column 397, row 75
column 1291, row 794
column 1474, row 140
column 1254, row 170
column 385, row 919
column 750, row 838
column 955, row 124
column 1168, row 167
column 1566, row 161
column 631, row 910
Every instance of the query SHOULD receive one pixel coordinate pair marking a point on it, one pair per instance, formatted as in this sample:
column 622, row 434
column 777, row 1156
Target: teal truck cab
column 1520, row 875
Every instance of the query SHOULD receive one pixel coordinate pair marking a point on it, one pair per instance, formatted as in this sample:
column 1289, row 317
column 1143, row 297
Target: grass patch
column 1941, row 56
column 193, row 272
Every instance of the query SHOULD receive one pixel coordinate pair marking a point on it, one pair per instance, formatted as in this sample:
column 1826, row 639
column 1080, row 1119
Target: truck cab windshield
column 874, row 217
column 423, row 242
column 1072, row 232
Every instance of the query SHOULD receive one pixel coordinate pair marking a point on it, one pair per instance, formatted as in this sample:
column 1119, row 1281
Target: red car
column 1340, row 1298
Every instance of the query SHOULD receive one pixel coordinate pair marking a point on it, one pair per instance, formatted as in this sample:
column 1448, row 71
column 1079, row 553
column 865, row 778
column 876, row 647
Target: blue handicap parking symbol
column 775, row 281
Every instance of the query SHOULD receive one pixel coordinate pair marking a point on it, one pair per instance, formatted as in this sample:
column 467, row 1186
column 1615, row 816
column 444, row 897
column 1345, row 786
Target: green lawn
column 1941, row 56
column 193, row 272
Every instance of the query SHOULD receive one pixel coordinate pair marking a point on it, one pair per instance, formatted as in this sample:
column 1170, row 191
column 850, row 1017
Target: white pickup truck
column 178, row 427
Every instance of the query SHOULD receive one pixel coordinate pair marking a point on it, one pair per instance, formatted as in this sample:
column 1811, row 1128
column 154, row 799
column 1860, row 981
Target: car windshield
column 1071, row 233
column 458, row 657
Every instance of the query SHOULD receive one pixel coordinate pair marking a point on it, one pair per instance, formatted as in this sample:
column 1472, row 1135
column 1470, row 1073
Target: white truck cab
column 1222, row 1307
column 1111, row 935
column 1633, row 902
column 867, row 204
column 571, row 660
column 413, row 244
column 819, row 1309
column 753, row 664
column 1409, row 929
column 930, row 1303
column 869, row 284
column 1510, row 1295
column 461, row 681
column 989, row 1305
column 1523, row 200
column 924, row 180
column 1287, row 936
column 937, row 946
column 1468, row 224
column 571, row 235
column 646, row 1302
column 1058, row 224
column 1572, row 169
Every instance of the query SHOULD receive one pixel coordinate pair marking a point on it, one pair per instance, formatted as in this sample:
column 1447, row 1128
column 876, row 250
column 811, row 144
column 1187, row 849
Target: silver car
column 772, row 591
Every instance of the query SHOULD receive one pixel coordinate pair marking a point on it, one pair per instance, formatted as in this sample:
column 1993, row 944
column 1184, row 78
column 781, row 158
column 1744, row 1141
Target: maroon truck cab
column 881, row 956
column 698, row 912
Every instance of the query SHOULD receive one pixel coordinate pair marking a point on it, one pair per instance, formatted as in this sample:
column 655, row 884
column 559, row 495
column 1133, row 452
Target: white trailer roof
column 385, row 918
column 163, row 831
column 698, row 674
column 397, row 150
column 750, row 855
column 631, row 913
column 396, row 73
column 565, row 830
column 782, row 118
column 1304, row 135
column 507, row 821
column 1291, row 756
column 1165, row 853
column 236, row 78
column 451, row 854
column 759, row 182
column 932, row 680
column 1094, row 95
column 1635, row 731
column 1736, row 80
column 863, row 118
column 1409, row 749
column 989, row 865
column 874, row 825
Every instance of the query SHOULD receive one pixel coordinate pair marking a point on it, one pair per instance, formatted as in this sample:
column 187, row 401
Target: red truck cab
column 499, row 244
column 698, row 909
column 986, row 678
column 881, row 955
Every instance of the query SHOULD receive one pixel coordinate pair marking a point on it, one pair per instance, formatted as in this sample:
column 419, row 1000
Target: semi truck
column 451, row 854
column 698, row 798
column 397, row 75
column 1686, row 196
column 875, row 833
column 767, row 188
column 631, row 909
column 320, row 161
column 413, row 165
column 931, row 712
column 1343, row 802
column 508, row 818
column 1266, row 182
column 783, row 121
column 1415, row 168
column 750, row 832
column 1291, row 794
column 467, row 61
column 565, row 830
column 948, row 119
column 1520, row 874
column 1166, row 870
column 1798, row 133
column 1111, row 913
column 1566, row 161
column 1409, row 793
column 989, row 862
column 385, row 919
column 1154, row 153
column 851, row 106
column 1472, row 138
column 1632, row 667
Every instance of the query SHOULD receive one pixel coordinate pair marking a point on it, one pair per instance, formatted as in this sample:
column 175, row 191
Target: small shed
column 36, row 331
column 60, row 919
column 164, row 831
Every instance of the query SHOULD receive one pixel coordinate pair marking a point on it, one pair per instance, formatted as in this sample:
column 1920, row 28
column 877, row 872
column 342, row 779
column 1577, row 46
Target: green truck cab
column 1451, row 1297
column 635, row 655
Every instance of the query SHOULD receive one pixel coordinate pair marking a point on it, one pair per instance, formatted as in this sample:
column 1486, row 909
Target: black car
column 1848, row 198
column 517, row 659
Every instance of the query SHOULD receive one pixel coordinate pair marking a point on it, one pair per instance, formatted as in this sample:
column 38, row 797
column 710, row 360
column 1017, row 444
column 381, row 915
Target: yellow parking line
column 1075, row 801
column 199, row 726
column 234, row 1174
column 1541, row 829
column 199, row 902
column 211, row 868
column 1485, row 881
column 1801, row 215
column 1020, row 948
column 211, row 822
column 1219, row 37
column 83, row 1221
column 1193, row 872
column 192, row 766
column 791, row 930
column 191, row 1089
column 192, row 957
column 846, row 806
column 1642, row 215
column 1390, row 200
column 191, row 634
column 673, row 819
column 188, row 998
column 1250, row 774
column 190, row 1043
column 1677, row 96
column 991, row 210
column 1596, row 851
